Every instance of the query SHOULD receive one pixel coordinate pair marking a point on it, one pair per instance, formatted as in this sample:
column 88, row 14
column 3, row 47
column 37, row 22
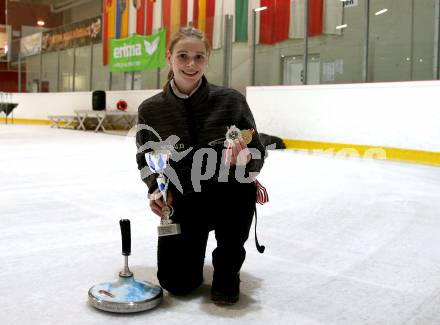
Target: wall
column 2, row 12
column 39, row 106
column 9, row 79
column 391, row 38
column 27, row 14
column 400, row 118
column 397, row 115
column 86, row 10
column 20, row 15
column 392, row 42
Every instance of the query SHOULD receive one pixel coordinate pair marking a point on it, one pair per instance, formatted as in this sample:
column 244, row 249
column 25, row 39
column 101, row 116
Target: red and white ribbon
column 262, row 196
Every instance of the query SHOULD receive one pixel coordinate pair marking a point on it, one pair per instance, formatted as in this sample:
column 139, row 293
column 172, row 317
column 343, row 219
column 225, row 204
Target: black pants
column 226, row 208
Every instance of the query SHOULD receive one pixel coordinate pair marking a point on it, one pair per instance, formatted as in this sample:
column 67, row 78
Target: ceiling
column 48, row 2
column 43, row 2
column 56, row 5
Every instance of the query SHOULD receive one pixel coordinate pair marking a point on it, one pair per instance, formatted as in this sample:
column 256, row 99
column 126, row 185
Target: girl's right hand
column 156, row 201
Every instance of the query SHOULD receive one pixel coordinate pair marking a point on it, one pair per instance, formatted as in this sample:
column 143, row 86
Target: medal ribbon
column 262, row 196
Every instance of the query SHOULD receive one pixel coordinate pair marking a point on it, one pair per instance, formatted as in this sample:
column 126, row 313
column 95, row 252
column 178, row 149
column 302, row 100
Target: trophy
column 157, row 162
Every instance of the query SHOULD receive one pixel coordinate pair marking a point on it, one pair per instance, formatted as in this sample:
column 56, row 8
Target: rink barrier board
column 353, row 150
column 25, row 121
column 46, row 122
column 366, row 151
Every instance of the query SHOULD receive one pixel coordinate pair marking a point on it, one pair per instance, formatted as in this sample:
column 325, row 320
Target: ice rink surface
column 348, row 241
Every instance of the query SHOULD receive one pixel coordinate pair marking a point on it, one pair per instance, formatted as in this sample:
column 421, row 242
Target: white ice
column 349, row 241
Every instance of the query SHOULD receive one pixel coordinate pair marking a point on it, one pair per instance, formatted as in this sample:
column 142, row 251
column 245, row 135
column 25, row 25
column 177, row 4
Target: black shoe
column 223, row 299
column 225, row 289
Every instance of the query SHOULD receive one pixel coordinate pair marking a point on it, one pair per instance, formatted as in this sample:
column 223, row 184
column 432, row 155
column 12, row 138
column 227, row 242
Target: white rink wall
column 398, row 115
column 40, row 105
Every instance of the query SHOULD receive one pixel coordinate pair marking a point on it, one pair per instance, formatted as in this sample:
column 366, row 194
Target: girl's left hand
column 237, row 153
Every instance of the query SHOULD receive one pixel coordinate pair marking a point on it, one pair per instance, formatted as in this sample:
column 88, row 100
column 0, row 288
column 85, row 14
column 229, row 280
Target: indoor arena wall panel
column 38, row 106
column 403, row 115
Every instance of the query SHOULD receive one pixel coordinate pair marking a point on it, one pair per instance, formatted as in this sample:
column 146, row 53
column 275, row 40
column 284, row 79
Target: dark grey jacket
column 201, row 121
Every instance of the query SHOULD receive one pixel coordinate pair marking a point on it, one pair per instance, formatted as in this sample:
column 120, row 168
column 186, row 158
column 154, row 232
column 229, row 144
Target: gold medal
column 247, row 135
column 233, row 133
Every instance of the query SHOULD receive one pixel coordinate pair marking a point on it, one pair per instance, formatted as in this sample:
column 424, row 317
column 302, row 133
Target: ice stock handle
column 126, row 236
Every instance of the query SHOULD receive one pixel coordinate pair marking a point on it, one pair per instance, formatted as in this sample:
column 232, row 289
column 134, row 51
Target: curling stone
column 126, row 295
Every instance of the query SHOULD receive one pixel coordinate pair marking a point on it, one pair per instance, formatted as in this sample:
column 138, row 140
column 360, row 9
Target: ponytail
column 169, row 78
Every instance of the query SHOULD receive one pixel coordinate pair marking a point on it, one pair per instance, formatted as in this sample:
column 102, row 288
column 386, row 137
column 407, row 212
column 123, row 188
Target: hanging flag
column 166, row 17
column 241, row 20
column 195, row 15
column 108, row 27
column 267, row 22
column 274, row 21
column 206, row 16
column 153, row 16
column 132, row 15
column 333, row 14
column 140, row 10
column 121, row 29
column 190, row 11
column 149, row 6
column 203, row 17
column 209, row 19
column 217, row 32
column 229, row 9
column 296, row 27
column 174, row 16
column 315, row 26
column 183, row 13
column 316, row 8
column 118, row 18
column 138, row 53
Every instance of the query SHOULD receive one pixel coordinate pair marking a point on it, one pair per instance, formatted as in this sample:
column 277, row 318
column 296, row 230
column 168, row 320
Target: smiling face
column 188, row 60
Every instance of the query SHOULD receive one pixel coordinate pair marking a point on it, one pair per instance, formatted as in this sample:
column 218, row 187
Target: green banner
column 137, row 53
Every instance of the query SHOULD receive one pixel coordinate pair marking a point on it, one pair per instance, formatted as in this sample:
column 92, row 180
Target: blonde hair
column 184, row 33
